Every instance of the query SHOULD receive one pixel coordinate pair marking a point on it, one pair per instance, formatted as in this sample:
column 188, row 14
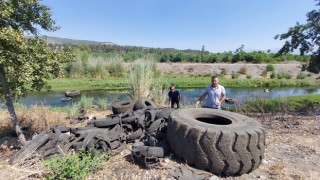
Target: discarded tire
column 71, row 93
column 224, row 143
column 122, row 106
column 144, row 102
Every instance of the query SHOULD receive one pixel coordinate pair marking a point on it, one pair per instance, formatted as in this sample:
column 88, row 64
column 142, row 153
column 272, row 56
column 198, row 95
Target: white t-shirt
column 214, row 95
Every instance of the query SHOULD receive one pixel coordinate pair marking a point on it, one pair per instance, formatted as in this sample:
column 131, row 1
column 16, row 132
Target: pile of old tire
column 144, row 122
column 222, row 142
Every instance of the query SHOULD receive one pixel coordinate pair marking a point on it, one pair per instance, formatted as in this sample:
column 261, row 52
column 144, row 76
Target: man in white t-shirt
column 216, row 94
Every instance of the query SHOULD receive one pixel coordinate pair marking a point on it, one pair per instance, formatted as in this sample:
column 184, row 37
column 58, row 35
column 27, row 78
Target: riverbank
column 180, row 81
column 193, row 75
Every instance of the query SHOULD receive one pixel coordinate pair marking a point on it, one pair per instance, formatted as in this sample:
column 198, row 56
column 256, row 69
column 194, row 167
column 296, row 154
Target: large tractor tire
column 222, row 142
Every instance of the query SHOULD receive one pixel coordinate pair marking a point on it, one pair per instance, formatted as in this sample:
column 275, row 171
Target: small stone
column 261, row 177
column 264, row 161
column 166, row 160
column 11, row 147
column 214, row 178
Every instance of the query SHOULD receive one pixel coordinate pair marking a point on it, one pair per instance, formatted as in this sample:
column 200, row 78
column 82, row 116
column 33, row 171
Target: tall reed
column 140, row 78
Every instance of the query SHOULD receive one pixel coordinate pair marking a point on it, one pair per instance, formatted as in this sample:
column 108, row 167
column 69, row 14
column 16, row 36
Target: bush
column 224, row 72
column 264, row 73
column 234, row 75
column 85, row 102
column 284, row 75
column 74, row 165
column 273, row 75
column 249, row 76
column 270, row 68
column 102, row 104
column 301, row 76
column 243, row 70
column 115, row 67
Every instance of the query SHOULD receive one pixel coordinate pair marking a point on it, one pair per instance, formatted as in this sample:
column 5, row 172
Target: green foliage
column 304, row 37
column 159, row 92
column 27, row 62
column 264, row 73
column 140, row 78
column 273, row 75
column 284, row 75
column 102, row 104
column 72, row 111
column 249, row 76
column 235, row 75
column 85, row 102
column 74, row 165
column 301, row 76
column 266, row 105
column 115, row 67
column 270, row 68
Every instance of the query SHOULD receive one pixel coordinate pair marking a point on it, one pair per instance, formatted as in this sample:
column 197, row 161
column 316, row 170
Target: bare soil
column 254, row 70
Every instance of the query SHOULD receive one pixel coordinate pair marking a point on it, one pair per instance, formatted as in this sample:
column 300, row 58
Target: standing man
column 174, row 97
column 216, row 94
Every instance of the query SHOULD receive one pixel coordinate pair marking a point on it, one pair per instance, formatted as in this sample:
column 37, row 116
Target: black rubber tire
column 144, row 102
column 230, row 145
column 106, row 122
column 122, row 106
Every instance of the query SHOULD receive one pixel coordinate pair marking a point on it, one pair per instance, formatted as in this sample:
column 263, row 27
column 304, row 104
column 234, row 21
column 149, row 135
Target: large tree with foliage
column 306, row 38
column 25, row 63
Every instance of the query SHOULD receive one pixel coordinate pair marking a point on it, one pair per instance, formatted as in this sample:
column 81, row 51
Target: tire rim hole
column 215, row 120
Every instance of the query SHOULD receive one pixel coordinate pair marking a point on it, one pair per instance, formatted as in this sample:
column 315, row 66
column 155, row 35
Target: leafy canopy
column 28, row 62
column 306, row 38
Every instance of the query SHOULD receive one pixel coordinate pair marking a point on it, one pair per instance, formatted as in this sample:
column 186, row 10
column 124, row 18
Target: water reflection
column 188, row 96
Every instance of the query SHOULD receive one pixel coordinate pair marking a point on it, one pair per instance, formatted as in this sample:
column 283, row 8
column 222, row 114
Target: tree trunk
column 9, row 104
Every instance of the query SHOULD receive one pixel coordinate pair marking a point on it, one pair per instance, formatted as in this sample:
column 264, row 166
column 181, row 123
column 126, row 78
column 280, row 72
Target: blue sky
column 219, row 25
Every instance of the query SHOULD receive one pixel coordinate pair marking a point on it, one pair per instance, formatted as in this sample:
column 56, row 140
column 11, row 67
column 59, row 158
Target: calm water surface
column 189, row 96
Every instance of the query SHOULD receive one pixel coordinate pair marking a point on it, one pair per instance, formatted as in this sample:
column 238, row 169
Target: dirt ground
column 292, row 142
column 255, row 70
column 292, row 152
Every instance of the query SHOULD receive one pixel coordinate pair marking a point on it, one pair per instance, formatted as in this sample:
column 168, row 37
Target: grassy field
column 180, row 81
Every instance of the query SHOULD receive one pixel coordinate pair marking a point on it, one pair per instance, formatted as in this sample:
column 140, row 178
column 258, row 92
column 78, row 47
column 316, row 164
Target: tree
column 306, row 38
column 25, row 63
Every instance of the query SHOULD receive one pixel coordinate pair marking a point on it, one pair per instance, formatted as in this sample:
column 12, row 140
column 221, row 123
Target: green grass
column 284, row 104
column 180, row 81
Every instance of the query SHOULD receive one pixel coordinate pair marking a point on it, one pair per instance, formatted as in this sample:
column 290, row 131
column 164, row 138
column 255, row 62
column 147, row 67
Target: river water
column 189, row 96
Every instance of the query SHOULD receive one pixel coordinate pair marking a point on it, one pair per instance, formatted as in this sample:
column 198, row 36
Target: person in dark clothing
column 174, row 97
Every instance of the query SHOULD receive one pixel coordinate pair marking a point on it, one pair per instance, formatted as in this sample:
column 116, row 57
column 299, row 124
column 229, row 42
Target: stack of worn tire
column 222, row 142
column 131, row 121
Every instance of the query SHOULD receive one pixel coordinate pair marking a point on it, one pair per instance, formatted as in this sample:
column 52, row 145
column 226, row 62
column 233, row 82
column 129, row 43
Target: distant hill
column 58, row 40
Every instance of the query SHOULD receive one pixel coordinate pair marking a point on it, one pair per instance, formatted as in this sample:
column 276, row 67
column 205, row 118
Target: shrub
column 159, row 93
column 85, row 102
column 285, row 75
column 115, row 67
column 74, row 165
column 224, row 72
column 264, row 73
column 249, row 76
column 270, row 68
column 301, row 76
column 73, row 111
column 102, row 104
column 234, row 75
column 273, row 75
column 243, row 70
